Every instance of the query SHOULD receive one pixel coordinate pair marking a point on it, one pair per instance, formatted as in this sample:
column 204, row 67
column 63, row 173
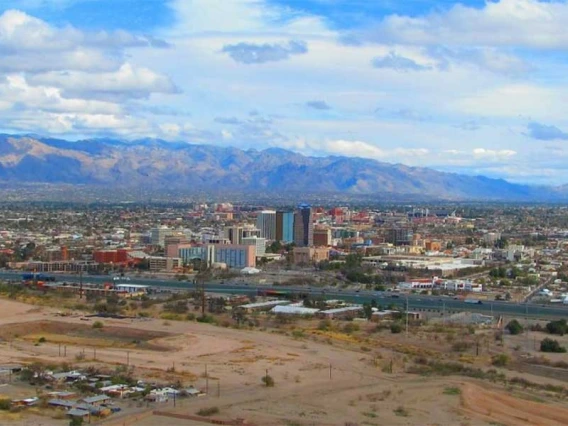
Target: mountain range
column 156, row 163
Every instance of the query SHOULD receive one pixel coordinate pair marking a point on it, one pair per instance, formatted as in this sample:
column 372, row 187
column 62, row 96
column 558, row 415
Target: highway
column 415, row 302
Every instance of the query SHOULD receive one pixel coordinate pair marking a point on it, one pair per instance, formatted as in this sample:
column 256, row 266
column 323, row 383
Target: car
column 395, row 296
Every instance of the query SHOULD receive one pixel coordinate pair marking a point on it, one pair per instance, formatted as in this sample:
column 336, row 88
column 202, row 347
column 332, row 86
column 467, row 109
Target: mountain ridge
column 158, row 163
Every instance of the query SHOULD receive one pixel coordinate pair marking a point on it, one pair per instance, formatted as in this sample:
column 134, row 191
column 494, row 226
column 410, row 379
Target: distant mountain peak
column 150, row 162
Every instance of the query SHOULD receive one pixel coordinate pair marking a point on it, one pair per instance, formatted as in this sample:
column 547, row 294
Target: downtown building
column 285, row 226
column 304, row 226
column 266, row 222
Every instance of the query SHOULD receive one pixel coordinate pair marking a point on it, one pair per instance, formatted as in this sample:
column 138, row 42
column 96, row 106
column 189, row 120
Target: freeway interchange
column 415, row 302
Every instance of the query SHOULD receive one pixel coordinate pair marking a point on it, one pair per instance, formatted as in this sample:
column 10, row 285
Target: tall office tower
column 234, row 234
column 400, row 236
column 266, row 222
column 304, row 226
column 285, row 226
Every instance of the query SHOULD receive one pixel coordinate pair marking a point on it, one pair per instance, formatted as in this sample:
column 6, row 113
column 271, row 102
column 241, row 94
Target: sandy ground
column 307, row 390
column 501, row 408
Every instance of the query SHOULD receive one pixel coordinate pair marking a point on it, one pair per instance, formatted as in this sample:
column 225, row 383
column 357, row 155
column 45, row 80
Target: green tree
column 268, row 381
column 559, row 327
column 368, row 310
column 514, row 327
column 396, row 328
column 549, row 345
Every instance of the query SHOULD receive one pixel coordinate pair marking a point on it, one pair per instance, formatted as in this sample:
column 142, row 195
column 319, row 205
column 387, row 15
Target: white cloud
column 513, row 100
column 515, row 23
column 493, row 155
column 16, row 91
column 126, row 82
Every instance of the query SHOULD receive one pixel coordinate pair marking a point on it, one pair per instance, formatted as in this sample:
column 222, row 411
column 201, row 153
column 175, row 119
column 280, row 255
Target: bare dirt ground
column 331, row 381
column 498, row 407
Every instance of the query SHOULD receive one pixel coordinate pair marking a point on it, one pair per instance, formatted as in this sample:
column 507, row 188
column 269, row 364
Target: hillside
column 156, row 163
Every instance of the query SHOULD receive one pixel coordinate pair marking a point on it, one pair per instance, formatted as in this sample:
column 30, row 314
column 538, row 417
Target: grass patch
column 370, row 414
column 452, row 391
column 208, row 411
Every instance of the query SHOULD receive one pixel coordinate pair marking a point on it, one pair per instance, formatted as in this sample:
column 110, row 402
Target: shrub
column 514, row 327
column 171, row 316
column 324, row 325
column 396, row 328
column 208, row 411
column 206, row 319
column 5, row 404
column 268, row 381
column 452, row 391
column 76, row 421
column 401, row 411
column 559, row 327
column 461, row 346
column 350, row 328
column 549, row 345
column 500, row 360
column 42, row 340
column 190, row 317
column 98, row 324
column 298, row 334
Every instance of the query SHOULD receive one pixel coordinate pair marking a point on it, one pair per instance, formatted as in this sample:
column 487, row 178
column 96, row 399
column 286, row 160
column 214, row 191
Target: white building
column 259, row 243
column 266, row 222
column 158, row 235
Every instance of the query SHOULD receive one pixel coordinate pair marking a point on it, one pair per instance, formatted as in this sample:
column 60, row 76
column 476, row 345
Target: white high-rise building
column 259, row 243
column 266, row 222
column 158, row 235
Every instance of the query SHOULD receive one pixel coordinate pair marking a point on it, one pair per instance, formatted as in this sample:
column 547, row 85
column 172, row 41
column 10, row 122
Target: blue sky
column 474, row 87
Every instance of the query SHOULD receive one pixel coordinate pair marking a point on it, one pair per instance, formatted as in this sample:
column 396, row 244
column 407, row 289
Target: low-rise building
column 309, row 255
column 347, row 312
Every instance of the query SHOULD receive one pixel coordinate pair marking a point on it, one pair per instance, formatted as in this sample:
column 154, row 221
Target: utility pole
column 330, row 371
column 81, row 284
column 527, row 324
column 127, row 358
column 407, row 316
column 219, row 388
column 206, row 380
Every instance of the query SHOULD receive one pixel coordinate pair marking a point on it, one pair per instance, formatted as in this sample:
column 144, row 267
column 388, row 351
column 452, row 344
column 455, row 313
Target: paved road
column 415, row 302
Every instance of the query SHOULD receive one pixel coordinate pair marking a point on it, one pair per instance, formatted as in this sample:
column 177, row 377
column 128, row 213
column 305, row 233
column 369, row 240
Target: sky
column 475, row 87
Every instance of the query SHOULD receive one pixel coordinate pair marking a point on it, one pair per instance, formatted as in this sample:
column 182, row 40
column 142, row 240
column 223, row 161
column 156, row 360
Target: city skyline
column 464, row 87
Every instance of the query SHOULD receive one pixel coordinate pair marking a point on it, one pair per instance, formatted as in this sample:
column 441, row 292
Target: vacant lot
column 83, row 334
column 322, row 375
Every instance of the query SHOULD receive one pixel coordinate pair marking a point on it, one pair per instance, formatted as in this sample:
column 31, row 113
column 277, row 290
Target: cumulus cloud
column 544, row 132
column 249, row 53
column 21, row 32
column 493, row 155
column 398, row 63
column 127, row 82
column 16, row 91
column 58, row 79
column 513, row 23
column 319, row 105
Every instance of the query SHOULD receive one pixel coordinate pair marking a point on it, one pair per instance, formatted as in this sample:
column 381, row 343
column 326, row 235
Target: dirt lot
column 321, row 377
column 60, row 332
